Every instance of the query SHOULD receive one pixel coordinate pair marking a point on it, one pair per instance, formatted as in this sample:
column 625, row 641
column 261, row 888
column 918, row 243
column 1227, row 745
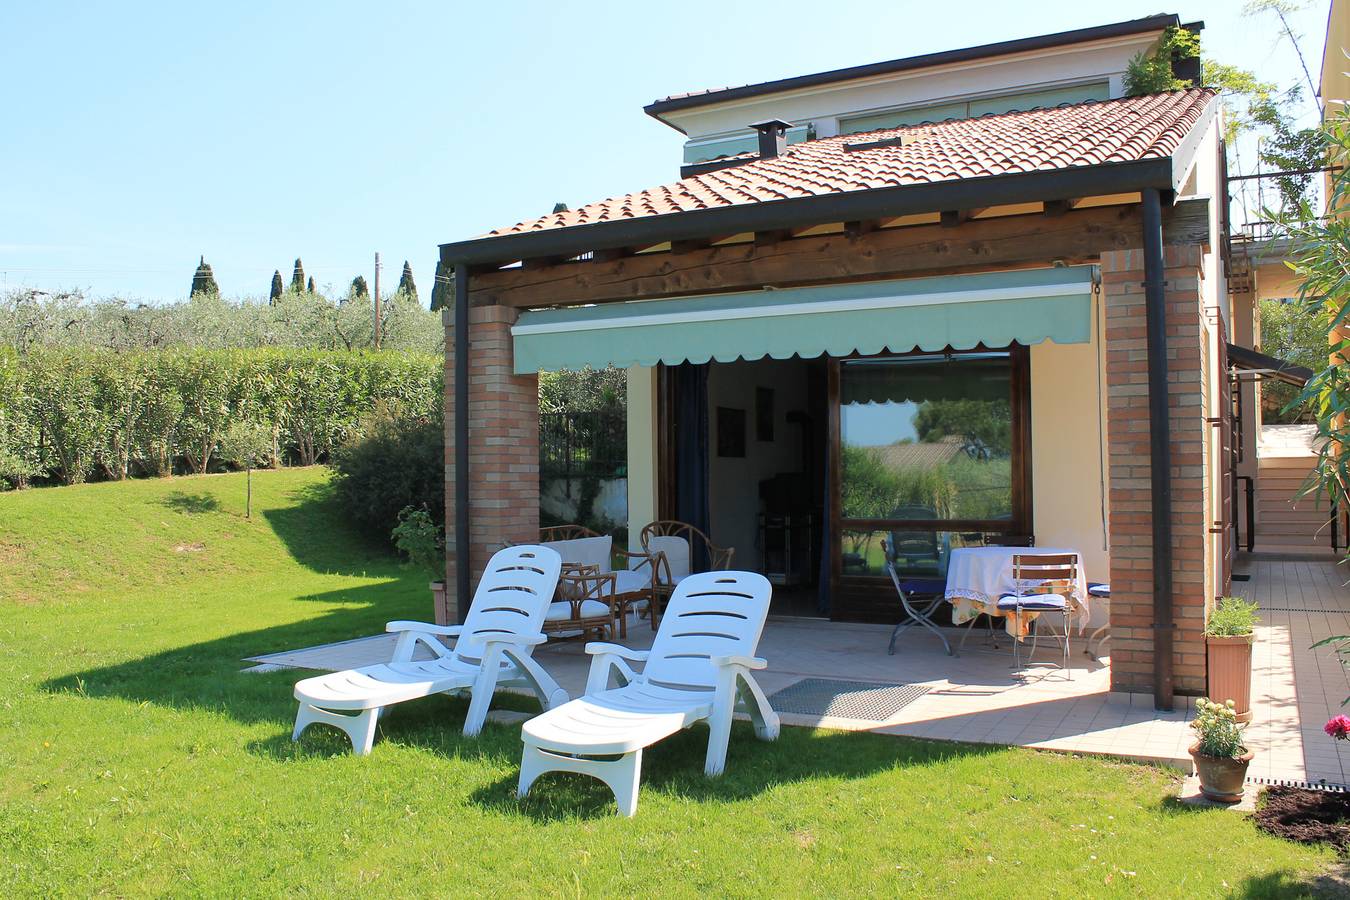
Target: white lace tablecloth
column 978, row 576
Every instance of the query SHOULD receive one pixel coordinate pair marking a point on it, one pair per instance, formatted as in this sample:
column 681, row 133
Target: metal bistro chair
column 1102, row 634
column 1044, row 584
column 920, row 598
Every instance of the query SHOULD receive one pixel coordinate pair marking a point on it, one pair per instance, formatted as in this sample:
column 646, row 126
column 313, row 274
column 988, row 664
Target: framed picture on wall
column 763, row 414
column 730, row 432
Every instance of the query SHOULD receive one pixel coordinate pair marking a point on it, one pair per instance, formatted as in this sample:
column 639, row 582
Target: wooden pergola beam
column 1079, row 235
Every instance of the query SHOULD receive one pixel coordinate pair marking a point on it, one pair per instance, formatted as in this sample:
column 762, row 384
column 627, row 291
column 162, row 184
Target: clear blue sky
column 139, row 135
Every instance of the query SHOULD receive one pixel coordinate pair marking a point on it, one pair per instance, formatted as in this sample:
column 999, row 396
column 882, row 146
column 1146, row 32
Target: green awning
column 960, row 311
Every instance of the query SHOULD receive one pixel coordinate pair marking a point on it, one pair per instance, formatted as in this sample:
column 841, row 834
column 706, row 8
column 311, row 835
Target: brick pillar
column 1128, row 448
column 503, row 444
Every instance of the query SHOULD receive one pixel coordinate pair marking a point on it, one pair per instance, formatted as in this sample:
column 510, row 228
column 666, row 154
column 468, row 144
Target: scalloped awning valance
column 995, row 309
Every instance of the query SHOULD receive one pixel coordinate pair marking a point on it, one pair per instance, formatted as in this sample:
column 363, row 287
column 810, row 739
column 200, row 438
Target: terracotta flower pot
column 1221, row 778
column 1230, row 672
column 446, row 614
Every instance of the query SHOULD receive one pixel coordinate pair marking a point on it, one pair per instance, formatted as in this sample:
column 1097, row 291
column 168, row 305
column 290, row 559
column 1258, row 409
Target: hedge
column 67, row 415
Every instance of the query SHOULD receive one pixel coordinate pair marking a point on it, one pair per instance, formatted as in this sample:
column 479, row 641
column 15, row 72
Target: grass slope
column 135, row 759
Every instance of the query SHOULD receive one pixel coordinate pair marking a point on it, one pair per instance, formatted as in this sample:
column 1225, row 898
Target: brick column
column 503, row 444
column 1128, row 449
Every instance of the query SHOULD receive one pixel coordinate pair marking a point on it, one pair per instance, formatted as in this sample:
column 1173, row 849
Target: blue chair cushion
column 1097, row 589
column 923, row 585
column 1033, row 602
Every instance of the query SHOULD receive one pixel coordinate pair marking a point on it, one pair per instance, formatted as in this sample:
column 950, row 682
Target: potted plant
column 420, row 539
column 1220, row 759
column 1228, row 646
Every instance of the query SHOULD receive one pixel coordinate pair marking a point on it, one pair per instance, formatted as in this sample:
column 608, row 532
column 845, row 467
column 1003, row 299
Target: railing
column 593, row 444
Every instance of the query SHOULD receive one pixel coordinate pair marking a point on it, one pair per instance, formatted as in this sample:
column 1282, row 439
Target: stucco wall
column 1068, row 472
column 641, row 452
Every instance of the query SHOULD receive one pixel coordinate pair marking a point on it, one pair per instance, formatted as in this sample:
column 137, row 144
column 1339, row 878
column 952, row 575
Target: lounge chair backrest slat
column 512, row 597
column 710, row 614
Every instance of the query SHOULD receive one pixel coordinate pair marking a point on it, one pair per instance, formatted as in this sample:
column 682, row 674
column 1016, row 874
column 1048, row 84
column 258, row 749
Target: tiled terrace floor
column 977, row 696
column 1295, row 689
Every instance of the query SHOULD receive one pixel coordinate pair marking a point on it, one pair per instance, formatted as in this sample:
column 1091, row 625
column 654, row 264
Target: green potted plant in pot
column 419, row 539
column 1221, row 760
column 1228, row 648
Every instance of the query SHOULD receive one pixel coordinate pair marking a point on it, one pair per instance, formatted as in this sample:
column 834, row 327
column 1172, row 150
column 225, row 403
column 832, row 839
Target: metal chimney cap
column 771, row 125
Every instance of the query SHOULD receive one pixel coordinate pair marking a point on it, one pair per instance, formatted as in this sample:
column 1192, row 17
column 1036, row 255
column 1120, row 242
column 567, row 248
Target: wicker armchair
column 671, row 544
column 583, row 584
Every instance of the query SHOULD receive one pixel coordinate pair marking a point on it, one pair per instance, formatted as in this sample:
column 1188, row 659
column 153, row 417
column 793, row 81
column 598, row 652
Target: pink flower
column 1338, row 727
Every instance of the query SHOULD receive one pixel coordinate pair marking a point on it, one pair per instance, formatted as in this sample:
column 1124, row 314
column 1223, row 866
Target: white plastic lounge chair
column 492, row 649
column 698, row 668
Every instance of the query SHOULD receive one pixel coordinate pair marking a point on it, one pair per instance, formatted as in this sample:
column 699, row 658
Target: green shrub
column 1232, row 616
column 392, row 462
column 418, row 537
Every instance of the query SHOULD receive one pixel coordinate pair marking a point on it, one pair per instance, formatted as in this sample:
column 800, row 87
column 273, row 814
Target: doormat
column 860, row 700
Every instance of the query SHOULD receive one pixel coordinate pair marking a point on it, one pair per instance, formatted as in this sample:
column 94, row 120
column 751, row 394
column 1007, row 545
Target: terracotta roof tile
column 1083, row 134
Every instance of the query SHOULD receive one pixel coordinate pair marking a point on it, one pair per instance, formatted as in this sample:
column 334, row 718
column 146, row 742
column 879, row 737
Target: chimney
column 772, row 137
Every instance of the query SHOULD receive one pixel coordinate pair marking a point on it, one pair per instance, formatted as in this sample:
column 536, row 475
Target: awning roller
column 962, row 311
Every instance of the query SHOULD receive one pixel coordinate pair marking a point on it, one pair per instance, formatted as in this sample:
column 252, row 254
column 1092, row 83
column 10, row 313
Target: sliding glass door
column 933, row 454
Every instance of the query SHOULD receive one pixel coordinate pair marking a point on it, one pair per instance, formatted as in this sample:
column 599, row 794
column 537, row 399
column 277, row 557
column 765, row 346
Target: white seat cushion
column 630, row 582
column 561, row 611
column 591, row 551
column 676, row 550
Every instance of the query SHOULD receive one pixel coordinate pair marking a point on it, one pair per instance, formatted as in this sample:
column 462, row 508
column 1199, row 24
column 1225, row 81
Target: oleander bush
column 70, row 414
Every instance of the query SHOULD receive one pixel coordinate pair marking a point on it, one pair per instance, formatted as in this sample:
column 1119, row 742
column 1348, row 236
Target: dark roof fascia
column 804, row 212
column 1290, row 373
column 927, row 60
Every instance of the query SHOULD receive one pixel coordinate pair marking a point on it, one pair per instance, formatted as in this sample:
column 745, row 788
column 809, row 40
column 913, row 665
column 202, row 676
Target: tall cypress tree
column 443, row 288
column 277, row 287
column 359, row 290
column 298, row 277
column 203, row 280
column 406, row 287
column 309, row 286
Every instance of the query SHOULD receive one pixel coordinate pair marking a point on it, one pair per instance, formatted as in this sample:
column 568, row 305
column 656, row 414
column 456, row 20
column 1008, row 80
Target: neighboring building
column 992, row 245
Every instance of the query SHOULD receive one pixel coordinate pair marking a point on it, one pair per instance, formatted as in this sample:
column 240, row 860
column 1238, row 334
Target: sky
column 135, row 137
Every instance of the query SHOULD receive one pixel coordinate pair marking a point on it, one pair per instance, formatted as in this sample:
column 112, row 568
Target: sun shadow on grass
column 191, row 504
column 207, row 675
column 673, row 768
column 1333, row 882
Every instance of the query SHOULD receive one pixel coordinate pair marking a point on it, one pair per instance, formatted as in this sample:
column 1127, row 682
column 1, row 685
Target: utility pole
column 377, row 301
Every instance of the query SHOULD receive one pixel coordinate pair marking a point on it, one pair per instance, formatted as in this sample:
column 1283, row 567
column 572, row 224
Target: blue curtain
column 691, row 453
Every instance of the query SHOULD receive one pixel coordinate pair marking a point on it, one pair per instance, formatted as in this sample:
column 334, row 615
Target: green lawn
column 135, row 759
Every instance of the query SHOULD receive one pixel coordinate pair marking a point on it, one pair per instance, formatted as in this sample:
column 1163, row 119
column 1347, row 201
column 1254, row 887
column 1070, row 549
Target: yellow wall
column 1335, row 82
column 1067, row 466
column 641, row 452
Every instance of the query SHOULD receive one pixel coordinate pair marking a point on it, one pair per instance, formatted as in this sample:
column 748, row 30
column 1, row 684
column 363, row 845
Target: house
column 991, row 247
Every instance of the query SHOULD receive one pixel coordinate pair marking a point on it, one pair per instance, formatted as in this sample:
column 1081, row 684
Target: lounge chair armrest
column 425, row 628
column 745, row 662
column 607, row 659
column 599, row 648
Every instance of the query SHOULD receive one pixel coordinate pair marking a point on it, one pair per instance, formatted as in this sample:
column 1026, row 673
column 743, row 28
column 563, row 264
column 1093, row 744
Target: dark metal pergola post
column 1160, row 448
column 462, row 560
